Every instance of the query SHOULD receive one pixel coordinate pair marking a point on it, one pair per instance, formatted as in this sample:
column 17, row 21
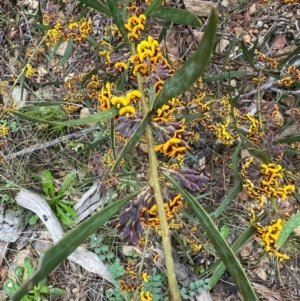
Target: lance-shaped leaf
column 133, row 140
column 192, row 69
column 95, row 4
column 176, row 15
column 226, row 254
column 287, row 229
column 117, row 18
column 235, row 163
column 231, row 196
column 287, row 140
column 246, row 235
column 153, row 6
column 67, row 52
column 68, row 244
column 111, row 113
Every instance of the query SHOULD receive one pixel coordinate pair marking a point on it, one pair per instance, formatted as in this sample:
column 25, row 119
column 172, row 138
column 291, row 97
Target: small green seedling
column 63, row 208
column 38, row 292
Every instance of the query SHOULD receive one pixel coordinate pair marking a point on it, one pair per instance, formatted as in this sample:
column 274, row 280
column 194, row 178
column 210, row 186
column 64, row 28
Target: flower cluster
column 135, row 25
column 4, row 129
column 263, row 185
column 271, row 62
column 28, row 71
column 74, row 93
column 270, row 182
column 142, row 210
column 63, row 30
column 292, row 75
column 122, row 102
column 150, row 62
column 268, row 235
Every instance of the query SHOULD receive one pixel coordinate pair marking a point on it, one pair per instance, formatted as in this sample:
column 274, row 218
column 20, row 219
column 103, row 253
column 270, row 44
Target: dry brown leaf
column 144, row 147
column 279, row 43
column 260, row 273
column 127, row 251
column 243, row 195
column 266, row 294
column 247, row 38
column 252, row 9
column 199, row 8
column 238, row 31
column 246, row 250
column 222, row 45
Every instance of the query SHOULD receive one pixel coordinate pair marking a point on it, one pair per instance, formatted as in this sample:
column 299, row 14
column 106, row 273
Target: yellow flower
column 119, row 101
column 133, row 95
column 142, row 68
column 121, row 66
column 3, row 130
column 29, row 71
column 146, row 296
column 132, row 36
column 145, row 277
column 127, row 110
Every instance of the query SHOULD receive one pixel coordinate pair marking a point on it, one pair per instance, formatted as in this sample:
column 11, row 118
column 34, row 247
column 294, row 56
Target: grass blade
column 249, row 55
column 231, row 196
column 152, row 7
column 67, row 52
column 176, row 15
column 192, row 69
column 111, row 113
column 226, row 254
column 133, row 140
column 68, row 244
column 242, row 240
column 95, row 4
column 235, row 163
column 288, row 140
column 287, row 229
column 117, row 18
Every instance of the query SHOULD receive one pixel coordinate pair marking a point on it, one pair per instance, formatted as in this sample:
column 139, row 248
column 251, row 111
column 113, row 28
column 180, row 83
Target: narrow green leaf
column 153, row 6
column 117, row 18
column 92, row 41
column 68, row 244
column 176, row 15
column 226, row 254
column 57, row 83
column 95, row 4
column 68, row 52
column 249, row 55
column 223, row 76
column 287, row 140
column 42, row 26
column 111, row 113
column 263, row 154
column 230, row 197
column 121, row 80
column 70, row 178
column 241, row 241
column 48, row 183
column 287, row 229
column 113, row 137
column 28, row 266
column 192, row 69
column 53, row 51
column 133, row 140
column 82, row 14
column 235, row 163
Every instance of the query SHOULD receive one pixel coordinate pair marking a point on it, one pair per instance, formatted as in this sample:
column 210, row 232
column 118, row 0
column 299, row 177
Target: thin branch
column 47, row 144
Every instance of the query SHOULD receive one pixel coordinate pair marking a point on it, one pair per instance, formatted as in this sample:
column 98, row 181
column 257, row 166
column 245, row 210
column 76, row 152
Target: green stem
column 154, row 183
